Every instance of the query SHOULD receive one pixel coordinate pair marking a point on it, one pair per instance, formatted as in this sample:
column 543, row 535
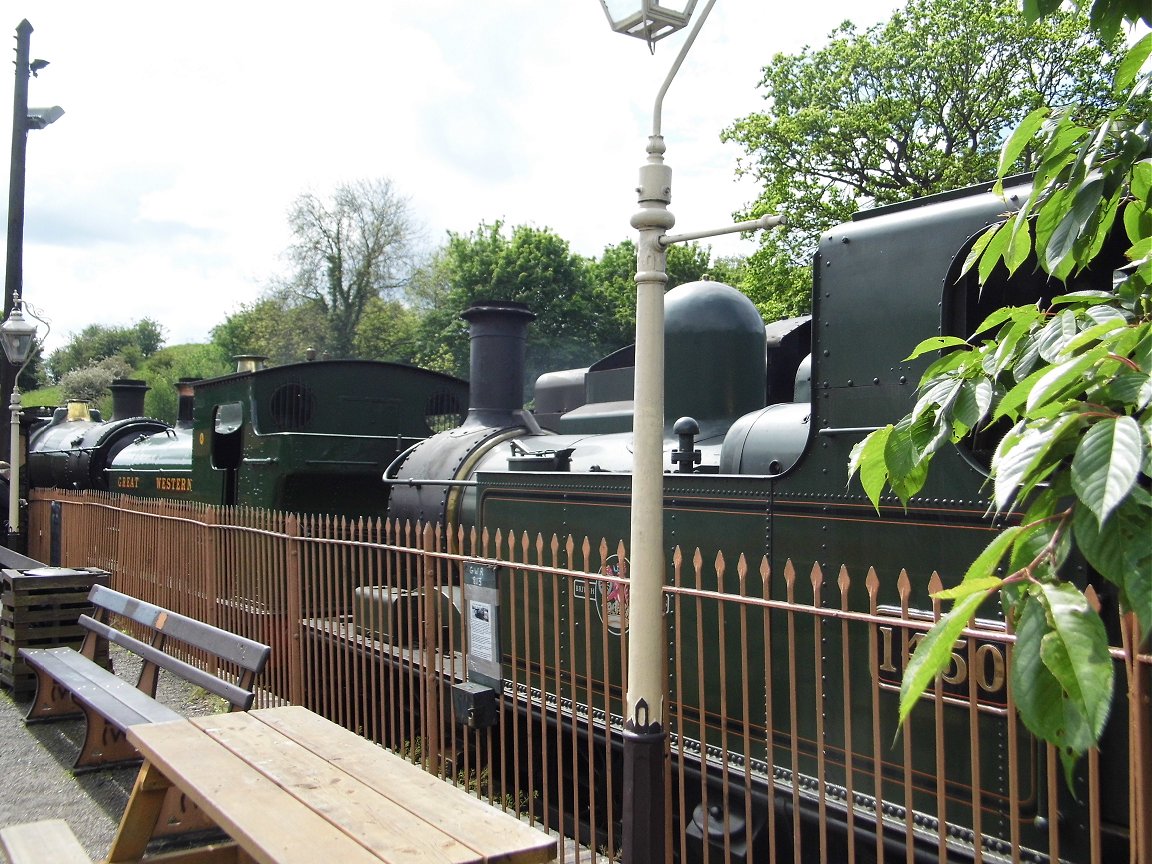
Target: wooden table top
column 289, row 786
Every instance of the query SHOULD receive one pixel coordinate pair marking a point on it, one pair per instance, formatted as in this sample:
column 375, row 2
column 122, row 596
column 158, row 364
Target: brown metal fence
column 781, row 700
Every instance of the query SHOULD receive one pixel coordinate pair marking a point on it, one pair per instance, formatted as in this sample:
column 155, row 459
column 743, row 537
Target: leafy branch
column 1068, row 390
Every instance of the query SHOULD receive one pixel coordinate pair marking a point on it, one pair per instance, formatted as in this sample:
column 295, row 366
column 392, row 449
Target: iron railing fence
column 782, row 687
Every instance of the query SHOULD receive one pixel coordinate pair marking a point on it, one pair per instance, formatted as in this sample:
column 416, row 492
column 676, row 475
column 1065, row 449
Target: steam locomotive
column 759, row 424
column 760, row 421
column 310, row 437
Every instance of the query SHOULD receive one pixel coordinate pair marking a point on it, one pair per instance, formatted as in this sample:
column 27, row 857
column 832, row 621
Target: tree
column 279, row 326
column 1073, row 382
column 532, row 266
column 349, row 248
column 613, row 277
column 168, row 365
column 387, row 331
column 96, row 342
column 90, row 384
column 917, row 105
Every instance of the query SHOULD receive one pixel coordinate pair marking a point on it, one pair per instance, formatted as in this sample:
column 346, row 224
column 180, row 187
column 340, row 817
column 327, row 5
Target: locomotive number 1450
column 981, row 664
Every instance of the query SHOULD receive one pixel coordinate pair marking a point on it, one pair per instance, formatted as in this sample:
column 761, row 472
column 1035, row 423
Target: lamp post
column 23, row 119
column 645, row 732
column 18, row 337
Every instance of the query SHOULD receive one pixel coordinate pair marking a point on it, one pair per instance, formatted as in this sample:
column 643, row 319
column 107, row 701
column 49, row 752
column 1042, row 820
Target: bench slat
column 379, row 824
column 96, row 688
column 284, row 830
column 486, row 829
column 237, row 696
column 245, row 653
column 50, row 841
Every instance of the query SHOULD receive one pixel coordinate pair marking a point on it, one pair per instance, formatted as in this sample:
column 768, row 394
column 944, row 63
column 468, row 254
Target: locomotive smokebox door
column 482, row 613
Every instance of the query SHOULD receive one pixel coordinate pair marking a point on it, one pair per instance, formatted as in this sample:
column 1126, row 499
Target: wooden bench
column 70, row 683
column 50, row 840
column 289, row 787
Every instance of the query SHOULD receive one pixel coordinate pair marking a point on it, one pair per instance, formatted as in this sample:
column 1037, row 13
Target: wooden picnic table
column 288, row 786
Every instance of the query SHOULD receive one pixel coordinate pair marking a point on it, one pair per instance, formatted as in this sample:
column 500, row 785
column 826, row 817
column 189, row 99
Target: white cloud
column 190, row 129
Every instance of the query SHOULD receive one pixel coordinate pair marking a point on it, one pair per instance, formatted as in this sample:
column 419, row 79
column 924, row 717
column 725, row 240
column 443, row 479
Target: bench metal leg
column 103, row 744
column 51, row 702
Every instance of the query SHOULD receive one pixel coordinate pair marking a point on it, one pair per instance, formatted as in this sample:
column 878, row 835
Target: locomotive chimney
column 185, row 391
column 249, row 362
column 127, row 398
column 498, row 331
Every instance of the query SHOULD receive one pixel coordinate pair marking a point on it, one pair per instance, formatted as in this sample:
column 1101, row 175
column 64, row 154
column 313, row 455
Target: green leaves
column 1061, row 671
column 1075, row 383
column 1106, row 464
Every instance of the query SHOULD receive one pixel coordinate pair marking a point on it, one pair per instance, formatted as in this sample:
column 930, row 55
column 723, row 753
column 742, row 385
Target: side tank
column 159, row 465
column 73, row 449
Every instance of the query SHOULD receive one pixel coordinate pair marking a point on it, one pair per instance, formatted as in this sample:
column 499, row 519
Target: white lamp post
column 645, row 733
column 18, row 336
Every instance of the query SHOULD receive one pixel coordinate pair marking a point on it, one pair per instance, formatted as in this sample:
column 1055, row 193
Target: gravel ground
column 36, row 780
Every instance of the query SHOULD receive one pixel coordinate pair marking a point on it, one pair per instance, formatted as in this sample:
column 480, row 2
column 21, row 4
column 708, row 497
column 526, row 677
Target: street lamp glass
column 649, row 20
column 17, row 335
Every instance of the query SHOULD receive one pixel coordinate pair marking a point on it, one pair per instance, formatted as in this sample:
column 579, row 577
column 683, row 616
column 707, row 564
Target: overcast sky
column 190, row 128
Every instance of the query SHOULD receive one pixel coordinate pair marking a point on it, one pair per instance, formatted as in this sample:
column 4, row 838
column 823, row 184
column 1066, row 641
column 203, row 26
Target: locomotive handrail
column 389, row 474
column 427, row 481
column 848, row 430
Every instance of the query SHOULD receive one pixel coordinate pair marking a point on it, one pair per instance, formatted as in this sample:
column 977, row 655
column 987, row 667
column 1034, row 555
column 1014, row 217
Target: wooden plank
column 497, row 836
column 268, row 823
column 246, row 653
column 95, row 687
column 50, row 841
column 357, row 809
column 138, row 822
column 237, row 696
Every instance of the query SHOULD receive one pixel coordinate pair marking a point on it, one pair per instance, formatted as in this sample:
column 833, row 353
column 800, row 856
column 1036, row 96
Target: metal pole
column 13, row 273
column 645, row 735
column 14, row 540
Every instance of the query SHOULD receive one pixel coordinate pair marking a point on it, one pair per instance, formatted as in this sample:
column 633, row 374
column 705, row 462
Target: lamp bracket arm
column 770, row 221
column 658, row 108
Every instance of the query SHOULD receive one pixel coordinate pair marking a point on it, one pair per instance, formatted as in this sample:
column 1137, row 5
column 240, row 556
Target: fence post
column 430, row 711
column 293, row 644
column 1140, row 740
column 54, row 528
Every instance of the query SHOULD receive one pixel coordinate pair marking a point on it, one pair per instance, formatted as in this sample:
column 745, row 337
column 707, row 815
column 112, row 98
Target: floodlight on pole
column 38, row 118
column 645, row 731
column 23, row 119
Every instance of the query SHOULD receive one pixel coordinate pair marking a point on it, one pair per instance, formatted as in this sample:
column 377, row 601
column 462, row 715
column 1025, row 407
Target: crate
column 40, row 608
